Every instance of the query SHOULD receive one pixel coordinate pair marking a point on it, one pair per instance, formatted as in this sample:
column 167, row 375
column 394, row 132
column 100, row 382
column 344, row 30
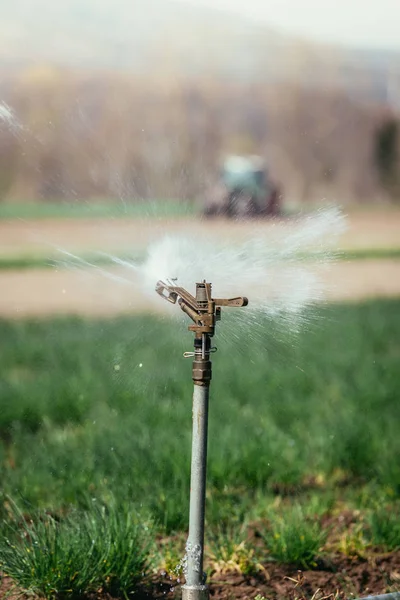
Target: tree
column 386, row 154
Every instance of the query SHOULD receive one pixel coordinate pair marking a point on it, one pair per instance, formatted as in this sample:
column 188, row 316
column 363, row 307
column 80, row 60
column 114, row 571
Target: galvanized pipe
column 195, row 588
column 392, row 596
column 204, row 312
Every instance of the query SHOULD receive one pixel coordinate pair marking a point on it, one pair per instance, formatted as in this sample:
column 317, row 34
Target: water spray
column 204, row 311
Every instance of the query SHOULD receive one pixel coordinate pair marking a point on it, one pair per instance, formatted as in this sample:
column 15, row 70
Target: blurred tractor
column 244, row 190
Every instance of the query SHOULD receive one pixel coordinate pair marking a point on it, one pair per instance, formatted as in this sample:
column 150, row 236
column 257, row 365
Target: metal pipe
column 195, row 588
column 204, row 312
column 392, row 596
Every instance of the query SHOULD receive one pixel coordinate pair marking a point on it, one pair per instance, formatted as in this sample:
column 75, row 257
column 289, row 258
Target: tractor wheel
column 241, row 205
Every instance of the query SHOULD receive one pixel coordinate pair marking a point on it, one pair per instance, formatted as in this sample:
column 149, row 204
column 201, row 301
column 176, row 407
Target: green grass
column 99, row 259
column 81, row 209
column 99, row 411
column 108, row 548
column 80, row 410
column 295, row 538
column 383, row 527
column 370, row 254
column 229, row 549
column 59, row 261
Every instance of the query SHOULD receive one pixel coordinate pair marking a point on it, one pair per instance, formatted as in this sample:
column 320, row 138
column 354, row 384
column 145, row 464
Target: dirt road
column 366, row 230
column 48, row 291
column 40, row 292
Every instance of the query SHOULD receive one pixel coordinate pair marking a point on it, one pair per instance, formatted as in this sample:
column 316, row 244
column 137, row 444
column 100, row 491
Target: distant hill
column 139, row 35
column 166, row 36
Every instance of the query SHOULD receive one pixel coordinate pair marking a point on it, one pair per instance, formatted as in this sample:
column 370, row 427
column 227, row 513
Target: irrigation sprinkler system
column 205, row 311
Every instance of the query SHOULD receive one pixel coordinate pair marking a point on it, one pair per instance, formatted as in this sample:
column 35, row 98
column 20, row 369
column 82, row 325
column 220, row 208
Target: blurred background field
column 107, row 100
column 114, row 118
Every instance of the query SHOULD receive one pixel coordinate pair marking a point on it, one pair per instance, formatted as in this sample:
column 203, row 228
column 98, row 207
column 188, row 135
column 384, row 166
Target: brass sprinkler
column 205, row 311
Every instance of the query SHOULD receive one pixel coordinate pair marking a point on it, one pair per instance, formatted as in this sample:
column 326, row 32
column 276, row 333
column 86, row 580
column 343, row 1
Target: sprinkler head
column 204, row 310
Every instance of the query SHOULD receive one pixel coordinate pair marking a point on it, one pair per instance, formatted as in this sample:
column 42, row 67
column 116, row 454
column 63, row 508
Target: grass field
column 39, row 262
column 96, row 416
column 91, row 209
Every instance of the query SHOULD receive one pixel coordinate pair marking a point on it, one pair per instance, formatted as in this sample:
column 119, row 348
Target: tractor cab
column 247, row 174
column 244, row 189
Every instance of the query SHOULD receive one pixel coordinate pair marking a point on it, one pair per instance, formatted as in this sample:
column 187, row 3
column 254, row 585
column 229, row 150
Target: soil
column 41, row 292
column 338, row 577
column 366, row 230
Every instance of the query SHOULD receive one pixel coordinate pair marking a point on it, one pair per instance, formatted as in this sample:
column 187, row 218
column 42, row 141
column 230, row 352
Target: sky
column 358, row 23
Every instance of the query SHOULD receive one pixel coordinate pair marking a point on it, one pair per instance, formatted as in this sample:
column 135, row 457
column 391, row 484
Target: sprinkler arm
column 203, row 309
column 238, row 302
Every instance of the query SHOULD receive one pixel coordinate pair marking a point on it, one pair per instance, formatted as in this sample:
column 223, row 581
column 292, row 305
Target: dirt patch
column 372, row 229
column 338, row 577
column 359, row 280
column 98, row 292
column 90, row 292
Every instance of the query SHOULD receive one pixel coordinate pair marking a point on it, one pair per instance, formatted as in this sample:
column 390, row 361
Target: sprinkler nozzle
column 202, row 309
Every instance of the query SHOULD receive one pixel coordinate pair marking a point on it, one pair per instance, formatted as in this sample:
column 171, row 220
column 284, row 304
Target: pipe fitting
column 195, row 592
column 202, row 372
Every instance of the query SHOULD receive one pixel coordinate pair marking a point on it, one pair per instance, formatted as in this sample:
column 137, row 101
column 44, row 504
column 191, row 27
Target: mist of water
column 6, row 114
column 280, row 275
column 279, row 270
column 9, row 119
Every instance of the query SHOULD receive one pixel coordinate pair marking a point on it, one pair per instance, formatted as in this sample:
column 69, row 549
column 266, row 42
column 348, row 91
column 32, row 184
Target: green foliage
column 293, row 537
column 107, row 548
column 171, row 553
column 230, row 551
column 92, row 410
column 352, row 541
column 101, row 407
column 383, row 527
column 97, row 413
column 49, row 262
column 91, row 209
column 386, row 152
column 99, row 259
